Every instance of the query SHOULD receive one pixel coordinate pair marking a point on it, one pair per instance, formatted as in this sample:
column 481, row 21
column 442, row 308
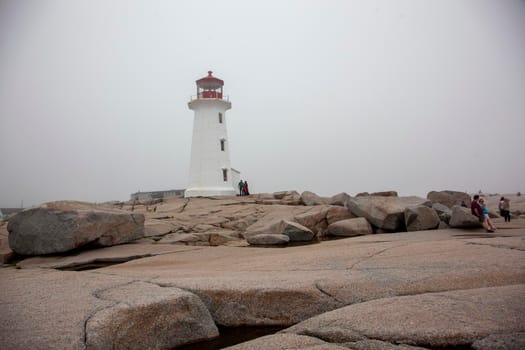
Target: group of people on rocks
column 479, row 209
column 243, row 188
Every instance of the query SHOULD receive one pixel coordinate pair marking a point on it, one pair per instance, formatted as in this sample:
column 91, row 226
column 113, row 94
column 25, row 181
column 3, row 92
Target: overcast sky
column 327, row 96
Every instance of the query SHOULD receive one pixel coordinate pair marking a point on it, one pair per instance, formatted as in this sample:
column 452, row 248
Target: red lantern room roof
column 210, row 82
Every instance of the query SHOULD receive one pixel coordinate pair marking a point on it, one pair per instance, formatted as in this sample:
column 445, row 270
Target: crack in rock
column 96, row 294
column 500, row 246
column 184, row 205
column 373, row 255
column 320, row 289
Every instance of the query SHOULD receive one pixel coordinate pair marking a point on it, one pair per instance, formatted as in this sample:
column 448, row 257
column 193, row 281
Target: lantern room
column 209, row 87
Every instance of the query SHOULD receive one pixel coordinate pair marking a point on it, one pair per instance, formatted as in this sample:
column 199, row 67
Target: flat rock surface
column 430, row 320
column 43, row 308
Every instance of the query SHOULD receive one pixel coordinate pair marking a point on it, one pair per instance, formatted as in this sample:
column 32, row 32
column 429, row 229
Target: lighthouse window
column 225, row 174
column 220, row 119
column 223, row 144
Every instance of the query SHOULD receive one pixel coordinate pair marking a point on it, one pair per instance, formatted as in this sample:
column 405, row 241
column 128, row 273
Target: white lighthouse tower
column 210, row 170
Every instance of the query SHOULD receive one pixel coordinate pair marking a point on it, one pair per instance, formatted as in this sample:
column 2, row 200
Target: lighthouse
column 210, row 170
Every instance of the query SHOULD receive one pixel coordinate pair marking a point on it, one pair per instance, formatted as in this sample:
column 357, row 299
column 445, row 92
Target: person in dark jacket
column 476, row 210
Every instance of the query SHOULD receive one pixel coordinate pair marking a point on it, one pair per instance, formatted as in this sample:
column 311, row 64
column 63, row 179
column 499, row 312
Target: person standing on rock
column 476, row 210
column 501, row 206
column 241, row 184
column 245, row 188
column 506, row 209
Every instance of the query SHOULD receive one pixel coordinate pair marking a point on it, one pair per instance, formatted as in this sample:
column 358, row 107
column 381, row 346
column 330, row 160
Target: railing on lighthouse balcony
column 210, row 95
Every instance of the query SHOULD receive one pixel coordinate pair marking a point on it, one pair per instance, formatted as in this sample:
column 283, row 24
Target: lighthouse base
column 209, row 192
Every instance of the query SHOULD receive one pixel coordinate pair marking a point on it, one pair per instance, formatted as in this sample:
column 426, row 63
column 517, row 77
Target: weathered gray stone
column 62, row 226
column 268, row 239
column 296, row 232
column 314, row 219
column 288, row 197
column 147, row 316
column 362, row 194
column 339, row 199
column 421, row 218
column 443, row 211
column 443, row 225
column 338, row 213
column 384, row 212
column 349, row 228
column 292, row 198
column 283, row 194
column 269, row 224
column 449, row 198
column 310, row 198
column 462, row 218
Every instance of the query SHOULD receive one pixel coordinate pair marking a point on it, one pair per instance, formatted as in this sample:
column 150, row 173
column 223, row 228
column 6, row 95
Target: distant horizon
column 491, row 194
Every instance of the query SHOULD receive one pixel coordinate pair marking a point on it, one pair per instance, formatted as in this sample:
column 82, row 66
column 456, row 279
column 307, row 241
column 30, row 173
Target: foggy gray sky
column 327, row 96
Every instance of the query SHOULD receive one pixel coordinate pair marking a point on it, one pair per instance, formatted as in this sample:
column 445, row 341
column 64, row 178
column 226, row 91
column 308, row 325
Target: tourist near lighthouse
column 210, row 171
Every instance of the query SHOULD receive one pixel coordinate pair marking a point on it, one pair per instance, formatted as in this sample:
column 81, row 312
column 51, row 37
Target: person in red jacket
column 245, row 188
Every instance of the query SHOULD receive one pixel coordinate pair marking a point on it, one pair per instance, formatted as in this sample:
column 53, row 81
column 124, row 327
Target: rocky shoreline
column 194, row 270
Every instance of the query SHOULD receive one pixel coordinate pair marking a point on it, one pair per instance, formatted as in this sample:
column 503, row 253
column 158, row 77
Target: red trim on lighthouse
column 210, row 82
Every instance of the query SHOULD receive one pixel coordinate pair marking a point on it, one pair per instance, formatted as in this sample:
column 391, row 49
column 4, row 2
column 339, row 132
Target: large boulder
column 296, row 232
column 448, row 198
column 58, row 227
column 146, row 316
column 443, row 211
column 288, row 197
column 349, row 228
column 421, row 218
column 463, row 218
column 386, row 213
column 314, row 219
column 319, row 217
column 280, row 232
column 269, row 223
column 337, row 213
column 339, row 199
column 310, row 198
